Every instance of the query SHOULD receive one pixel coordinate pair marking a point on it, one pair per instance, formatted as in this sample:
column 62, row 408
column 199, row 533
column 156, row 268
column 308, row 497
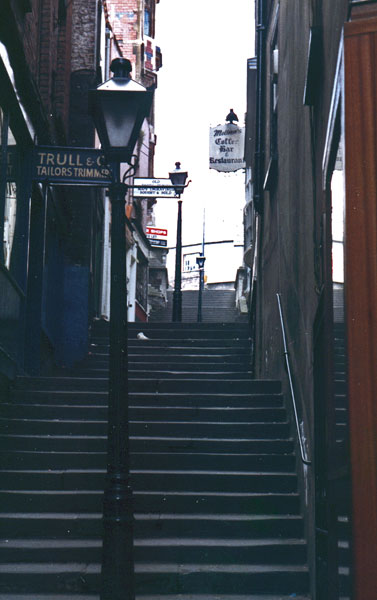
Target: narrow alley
column 188, row 300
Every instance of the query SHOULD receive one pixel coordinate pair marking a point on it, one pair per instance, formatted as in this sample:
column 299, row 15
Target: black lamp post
column 119, row 107
column 200, row 260
column 178, row 179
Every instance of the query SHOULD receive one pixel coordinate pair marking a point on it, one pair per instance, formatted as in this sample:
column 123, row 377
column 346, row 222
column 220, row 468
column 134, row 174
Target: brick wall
column 63, row 67
column 125, row 19
column 48, row 51
column 41, row 49
column 29, row 31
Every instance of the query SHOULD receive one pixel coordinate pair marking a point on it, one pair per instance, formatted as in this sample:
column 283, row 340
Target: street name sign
column 149, row 187
column 152, row 182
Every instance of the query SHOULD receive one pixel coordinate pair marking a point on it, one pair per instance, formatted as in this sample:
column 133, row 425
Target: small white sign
column 155, row 192
column 152, row 182
column 226, row 147
column 158, row 242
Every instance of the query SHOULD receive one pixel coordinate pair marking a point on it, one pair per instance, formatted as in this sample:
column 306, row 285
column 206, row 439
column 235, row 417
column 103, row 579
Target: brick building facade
column 53, row 264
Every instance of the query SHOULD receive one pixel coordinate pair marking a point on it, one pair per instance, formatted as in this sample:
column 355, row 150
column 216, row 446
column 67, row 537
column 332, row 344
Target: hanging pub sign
column 226, row 147
column 70, row 166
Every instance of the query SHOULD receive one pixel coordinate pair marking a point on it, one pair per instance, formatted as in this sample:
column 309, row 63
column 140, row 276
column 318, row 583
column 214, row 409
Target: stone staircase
column 213, row 471
column 344, row 500
column 217, row 306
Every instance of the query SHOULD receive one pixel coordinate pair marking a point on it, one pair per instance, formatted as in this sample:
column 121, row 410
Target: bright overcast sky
column 205, row 45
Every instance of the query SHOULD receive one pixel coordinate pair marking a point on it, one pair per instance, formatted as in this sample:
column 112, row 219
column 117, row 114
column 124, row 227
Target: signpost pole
column 177, row 294
column 117, row 557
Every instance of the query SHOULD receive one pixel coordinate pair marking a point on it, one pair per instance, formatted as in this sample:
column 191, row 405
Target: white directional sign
column 152, row 182
column 149, row 187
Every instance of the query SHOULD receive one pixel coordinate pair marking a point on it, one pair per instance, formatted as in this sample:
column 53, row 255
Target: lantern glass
column 119, row 116
column 200, row 261
column 178, row 178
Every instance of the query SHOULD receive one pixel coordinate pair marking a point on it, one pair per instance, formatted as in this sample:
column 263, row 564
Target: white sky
column 205, row 45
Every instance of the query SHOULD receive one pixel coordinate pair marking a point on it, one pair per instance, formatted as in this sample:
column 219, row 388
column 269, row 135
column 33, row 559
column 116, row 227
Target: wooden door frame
column 360, row 50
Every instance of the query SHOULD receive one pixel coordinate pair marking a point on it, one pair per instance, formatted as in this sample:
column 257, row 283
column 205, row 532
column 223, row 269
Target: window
column 142, row 280
column 274, row 71
column 147, row 21
column 189, row 262
column 272, row 103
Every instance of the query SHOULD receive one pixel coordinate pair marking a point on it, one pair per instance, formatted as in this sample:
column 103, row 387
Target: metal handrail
column 303, row 453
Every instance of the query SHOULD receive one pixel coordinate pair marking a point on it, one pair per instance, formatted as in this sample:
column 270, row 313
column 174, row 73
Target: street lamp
column 200, row 260
column 118, row 107
column 178, row 180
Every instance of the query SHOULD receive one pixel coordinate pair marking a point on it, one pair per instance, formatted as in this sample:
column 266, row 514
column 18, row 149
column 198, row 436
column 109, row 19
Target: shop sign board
column 61, row 165
column 156, row 231
column 157, row 236
column 226, row 147
column 158, row 243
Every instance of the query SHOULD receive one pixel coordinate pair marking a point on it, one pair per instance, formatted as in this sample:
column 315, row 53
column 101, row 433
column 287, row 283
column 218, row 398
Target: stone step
column 171, row 373
column 148, row 350
column 151, row 526
column 82, row 443
column 100, row 398
column 223, row 579
column 144, row 413
column 251, row 386
column 162, row 480
column 78, row 596
column 162, row 461
column 93, row 366
column 159, row 579
column 179, row 342
column 188, row 363
column 81, row 501
column 230, row 430
column 103, row 326
column 188, row 334
column 179, row 550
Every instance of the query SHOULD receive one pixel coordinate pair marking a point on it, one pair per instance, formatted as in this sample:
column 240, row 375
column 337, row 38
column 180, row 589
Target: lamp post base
column 118, row 563
column 177, row 306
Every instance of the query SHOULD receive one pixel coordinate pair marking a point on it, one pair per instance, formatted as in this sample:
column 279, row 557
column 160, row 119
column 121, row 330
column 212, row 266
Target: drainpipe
column 259, row 141
column 258, row 169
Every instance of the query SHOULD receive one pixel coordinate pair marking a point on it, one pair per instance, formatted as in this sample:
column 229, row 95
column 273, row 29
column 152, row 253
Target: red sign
column 156, row 231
